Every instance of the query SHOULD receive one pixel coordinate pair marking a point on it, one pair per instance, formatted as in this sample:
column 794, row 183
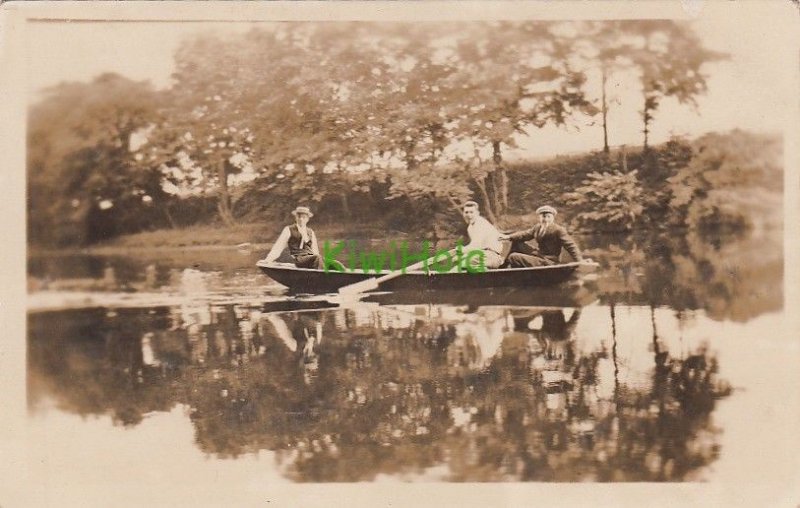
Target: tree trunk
column 502, row 177
column 487, row 203
column 604, row 110
column 493, row 191
column 345, row 205
column 455, row 204
column 614, row 348
column 224, row 198
column 504, row 189
column 647, row 103
column 646, row 119
column 411, row 161
column 435, row 132
column 168, row 215
column 225, row 213
column 624, row 157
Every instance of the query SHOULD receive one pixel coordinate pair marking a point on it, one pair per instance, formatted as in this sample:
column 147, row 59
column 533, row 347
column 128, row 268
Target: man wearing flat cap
column 301, row 241
column 550, row 238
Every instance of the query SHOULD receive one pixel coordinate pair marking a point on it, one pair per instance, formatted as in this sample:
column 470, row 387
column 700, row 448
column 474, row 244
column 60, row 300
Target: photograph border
column 18, row 487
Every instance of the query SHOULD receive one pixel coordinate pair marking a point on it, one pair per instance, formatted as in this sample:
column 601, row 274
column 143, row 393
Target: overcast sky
column 749, row 91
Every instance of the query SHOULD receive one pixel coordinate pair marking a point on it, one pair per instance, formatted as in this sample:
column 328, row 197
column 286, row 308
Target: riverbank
column 254, row 236
column 206, row 235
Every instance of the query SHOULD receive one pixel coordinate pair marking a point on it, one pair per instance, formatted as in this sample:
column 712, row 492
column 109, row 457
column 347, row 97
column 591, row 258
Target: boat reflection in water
column 461, row 387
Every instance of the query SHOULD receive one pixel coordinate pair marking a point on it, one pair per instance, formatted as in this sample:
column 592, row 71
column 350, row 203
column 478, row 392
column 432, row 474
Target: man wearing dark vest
column 301, row 241
column 549, row 236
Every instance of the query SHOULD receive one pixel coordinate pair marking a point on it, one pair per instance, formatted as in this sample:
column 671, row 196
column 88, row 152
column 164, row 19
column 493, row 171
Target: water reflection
column 729, row 277
column 736, row 277
column 475, row 392
column 615, row 380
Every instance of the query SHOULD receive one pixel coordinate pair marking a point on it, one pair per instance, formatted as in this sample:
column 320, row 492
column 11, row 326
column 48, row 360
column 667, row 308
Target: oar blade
column 359, row 287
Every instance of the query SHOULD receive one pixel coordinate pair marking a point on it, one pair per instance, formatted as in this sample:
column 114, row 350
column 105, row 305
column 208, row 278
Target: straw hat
column 302, row 209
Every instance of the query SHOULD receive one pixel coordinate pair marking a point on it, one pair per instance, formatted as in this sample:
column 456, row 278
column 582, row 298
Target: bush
column 608, row 200
column 732, row 181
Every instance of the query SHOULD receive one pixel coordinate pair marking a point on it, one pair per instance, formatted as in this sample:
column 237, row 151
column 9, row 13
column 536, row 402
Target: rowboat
column 308, row 280
column 553, row 297
column 545, row 298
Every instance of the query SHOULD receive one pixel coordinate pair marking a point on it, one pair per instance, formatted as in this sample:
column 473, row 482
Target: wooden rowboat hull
column 306, row 280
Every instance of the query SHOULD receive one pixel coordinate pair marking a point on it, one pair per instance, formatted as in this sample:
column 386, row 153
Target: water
column 639, row 375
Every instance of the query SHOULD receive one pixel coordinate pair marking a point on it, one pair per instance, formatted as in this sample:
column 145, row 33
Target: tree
column 669, row 57
column 733, row 181
column 378, row 99
column 88, row 178
column 601, row 47
column 330, row 140
column 512, row 77
column 204, row 125
column 666, row 55
column 277, row 99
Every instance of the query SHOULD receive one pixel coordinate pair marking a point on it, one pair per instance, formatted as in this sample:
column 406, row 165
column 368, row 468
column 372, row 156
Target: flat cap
column 546, row 209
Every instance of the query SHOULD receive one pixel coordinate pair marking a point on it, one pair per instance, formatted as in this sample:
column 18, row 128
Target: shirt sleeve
column 280, row 244
column 524, row 235
column 484, row 236
column 314, row 243
column 282, row 331
column 569, row 244
column 475, row 232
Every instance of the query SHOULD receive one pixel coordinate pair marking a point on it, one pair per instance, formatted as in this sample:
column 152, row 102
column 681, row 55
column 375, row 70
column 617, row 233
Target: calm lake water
column 185, row 366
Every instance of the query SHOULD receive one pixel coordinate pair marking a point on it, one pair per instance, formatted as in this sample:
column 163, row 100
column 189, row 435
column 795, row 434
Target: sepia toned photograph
column 279, row 254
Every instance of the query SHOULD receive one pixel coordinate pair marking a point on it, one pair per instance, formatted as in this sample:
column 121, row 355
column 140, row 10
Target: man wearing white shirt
column 483, row 236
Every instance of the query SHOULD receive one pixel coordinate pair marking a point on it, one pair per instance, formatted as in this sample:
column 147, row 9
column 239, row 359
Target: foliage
column 366, row 100
column 536, row 183
column 733, row 180
column 332, row 114
column 519, row 78
column 669, row 57
column 610, row 199
column 86, row 180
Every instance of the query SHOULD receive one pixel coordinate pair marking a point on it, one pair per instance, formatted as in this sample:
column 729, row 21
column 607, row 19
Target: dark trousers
column 519, row 260
column 314, row 261
column 308, row 261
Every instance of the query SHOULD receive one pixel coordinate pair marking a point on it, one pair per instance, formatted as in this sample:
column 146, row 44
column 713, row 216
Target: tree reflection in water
column 444, row 391
column 730, row 276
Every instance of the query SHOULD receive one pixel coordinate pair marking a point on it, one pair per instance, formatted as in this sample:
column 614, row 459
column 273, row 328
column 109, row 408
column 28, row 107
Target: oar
column 374, row 282
column 587, row 265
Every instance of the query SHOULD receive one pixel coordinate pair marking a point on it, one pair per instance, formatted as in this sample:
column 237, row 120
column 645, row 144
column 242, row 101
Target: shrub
column 732, row 180
column 608, row 200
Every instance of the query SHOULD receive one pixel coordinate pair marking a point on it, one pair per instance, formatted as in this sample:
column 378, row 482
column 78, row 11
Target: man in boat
column 550, row 238
column 301, row 241
column 483, row 236
column 301, row 335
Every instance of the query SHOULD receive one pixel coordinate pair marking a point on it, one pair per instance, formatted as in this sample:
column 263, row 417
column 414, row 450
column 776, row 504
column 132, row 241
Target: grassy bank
column 731, row 180
column 257, row 235
column 193, row 236
column 261, row 236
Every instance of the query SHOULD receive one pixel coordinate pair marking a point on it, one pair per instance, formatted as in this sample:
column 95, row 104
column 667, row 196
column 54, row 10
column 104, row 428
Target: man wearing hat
column 549, row 236
column 300, row 239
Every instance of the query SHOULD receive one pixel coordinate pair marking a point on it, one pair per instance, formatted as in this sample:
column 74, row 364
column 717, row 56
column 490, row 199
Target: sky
column 748, row 91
